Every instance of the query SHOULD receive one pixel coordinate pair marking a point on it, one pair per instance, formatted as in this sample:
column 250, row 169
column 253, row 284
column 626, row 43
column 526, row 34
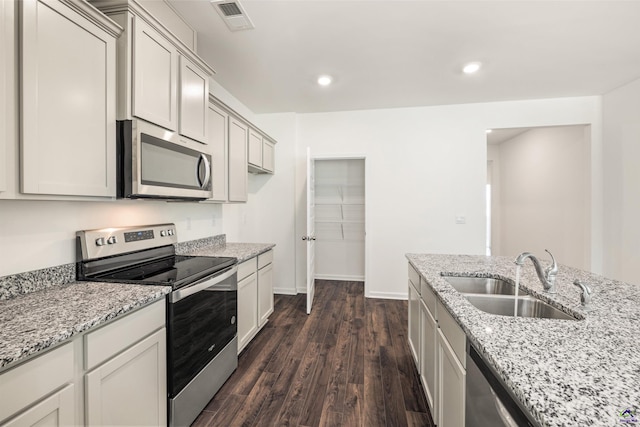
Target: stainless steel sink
column 528, row 306
column 483, row 285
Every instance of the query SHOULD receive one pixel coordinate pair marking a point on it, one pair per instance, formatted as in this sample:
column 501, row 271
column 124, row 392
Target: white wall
column 543, row 202
column 425, row 166
column 621, row 135
column 268, row 215
column 40, row 234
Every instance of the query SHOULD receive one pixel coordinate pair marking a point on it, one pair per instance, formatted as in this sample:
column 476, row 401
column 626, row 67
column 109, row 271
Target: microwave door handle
column 207, row 171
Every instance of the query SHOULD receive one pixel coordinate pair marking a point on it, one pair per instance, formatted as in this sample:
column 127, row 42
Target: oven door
column 157, row 163
column 202, row 321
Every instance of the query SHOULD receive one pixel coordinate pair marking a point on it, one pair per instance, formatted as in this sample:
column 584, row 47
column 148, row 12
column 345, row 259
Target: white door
column 310, row 237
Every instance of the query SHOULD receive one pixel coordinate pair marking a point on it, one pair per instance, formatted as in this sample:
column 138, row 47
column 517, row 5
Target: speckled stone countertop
column 39, row 320
column 219, row 247
column 567, row 373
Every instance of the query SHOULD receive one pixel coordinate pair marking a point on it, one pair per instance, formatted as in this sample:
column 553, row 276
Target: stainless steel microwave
column 156, row 163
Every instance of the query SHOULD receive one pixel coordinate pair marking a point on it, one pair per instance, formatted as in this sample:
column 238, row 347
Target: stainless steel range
column 201, row 310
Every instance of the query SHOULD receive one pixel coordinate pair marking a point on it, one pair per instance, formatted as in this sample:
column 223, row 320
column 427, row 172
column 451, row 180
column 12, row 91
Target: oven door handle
column 201, row 285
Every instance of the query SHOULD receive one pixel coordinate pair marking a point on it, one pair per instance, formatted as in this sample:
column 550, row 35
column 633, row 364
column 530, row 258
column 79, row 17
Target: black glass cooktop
column 175, row 270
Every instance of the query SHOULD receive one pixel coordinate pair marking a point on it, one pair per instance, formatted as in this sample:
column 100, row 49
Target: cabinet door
column 194, row 100
column 268, row 156
column 4, row 39
column 67, row 102
column 131, row 388
column 56, row 410
column 247, row 310
column 219, row 145
column 414, row 323
column 428, row 359
column 155, row 77
column 255, row 148
column 238, row 137
column 265, row 294
column 451, row 386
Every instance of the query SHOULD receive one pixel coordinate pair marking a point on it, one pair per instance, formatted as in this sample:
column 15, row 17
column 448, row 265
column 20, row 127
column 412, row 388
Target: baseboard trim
column 340, row 278
column 387, row 295
column 285, row 291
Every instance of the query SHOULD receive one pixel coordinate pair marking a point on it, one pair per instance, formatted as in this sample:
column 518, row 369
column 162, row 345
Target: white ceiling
column 395, row 53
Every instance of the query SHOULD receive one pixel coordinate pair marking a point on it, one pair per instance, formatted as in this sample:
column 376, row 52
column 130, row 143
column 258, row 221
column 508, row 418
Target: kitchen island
column 564, row 372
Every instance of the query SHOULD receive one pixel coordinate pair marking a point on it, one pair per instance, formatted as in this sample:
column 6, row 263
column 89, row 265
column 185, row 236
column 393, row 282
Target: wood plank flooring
column 346, row 364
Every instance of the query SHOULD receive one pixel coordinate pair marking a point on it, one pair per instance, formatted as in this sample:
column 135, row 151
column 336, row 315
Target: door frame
column 367, row 242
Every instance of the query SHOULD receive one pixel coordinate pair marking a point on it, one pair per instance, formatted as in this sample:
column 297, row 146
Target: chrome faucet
column 546, row 276
column 585, row 295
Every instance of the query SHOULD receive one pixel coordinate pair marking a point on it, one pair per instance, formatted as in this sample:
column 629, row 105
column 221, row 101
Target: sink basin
column 528, row 306
column 483, row 285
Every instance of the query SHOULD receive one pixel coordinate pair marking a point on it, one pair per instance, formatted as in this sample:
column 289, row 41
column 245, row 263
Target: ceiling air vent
column 233, row 14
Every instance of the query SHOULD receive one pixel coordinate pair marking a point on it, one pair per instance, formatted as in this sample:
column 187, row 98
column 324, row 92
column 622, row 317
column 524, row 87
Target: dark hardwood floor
column 345, row 364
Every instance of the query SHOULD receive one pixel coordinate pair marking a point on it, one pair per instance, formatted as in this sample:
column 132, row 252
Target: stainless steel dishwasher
column 488, row 402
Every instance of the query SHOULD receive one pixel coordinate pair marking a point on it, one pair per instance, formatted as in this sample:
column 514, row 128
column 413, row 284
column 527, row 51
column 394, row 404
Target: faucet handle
column 552, row 270
column 585, row 296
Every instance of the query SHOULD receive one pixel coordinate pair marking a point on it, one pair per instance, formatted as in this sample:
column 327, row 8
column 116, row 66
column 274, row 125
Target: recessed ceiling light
column 471, row 67
column 325, row 80
column 489, row 130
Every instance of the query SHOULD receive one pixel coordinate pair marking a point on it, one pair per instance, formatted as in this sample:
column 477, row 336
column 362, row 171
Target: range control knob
column 163, row 233
column 112, row 239
column 100, row 241
column 170, row 231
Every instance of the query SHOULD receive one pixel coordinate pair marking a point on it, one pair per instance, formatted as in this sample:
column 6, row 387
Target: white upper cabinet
column 67, row 89
column 261, row 153
column 219, row 149
column 194, row 101
column 255, row 148
column 238, row 138
column 155, row 81
column 268, row 156
column 160, row 78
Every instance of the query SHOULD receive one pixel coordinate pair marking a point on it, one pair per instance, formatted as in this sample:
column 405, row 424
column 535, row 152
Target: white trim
column 285, row 291
column 340, row 278
column 367, row 241
column 388, row 295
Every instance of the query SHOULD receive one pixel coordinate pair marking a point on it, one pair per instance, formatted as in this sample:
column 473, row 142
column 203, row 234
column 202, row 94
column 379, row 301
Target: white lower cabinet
column 439, row 347
column 255, row 296
column 428, row 356
column 56, row 410
column 414, row 323
column 127, row 389
column 452, row 386
column 25, row 389
column 265, row 287
column 122, row 365
column 247, row 303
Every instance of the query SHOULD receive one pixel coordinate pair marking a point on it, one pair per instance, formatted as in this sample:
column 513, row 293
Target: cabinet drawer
column 111, row 339
column 265, row 259
column 247, row 268
column 35, row 379
column 414, row 277
column 429, row 297
column 453, row 333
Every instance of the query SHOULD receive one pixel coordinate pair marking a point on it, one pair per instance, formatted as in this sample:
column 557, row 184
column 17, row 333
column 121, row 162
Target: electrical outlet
column 461, row 219
column 188, row 223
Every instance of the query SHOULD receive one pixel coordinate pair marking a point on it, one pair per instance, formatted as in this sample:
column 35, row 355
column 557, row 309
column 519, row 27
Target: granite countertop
column 242, row 251
column 567, row 373
column 39, row 320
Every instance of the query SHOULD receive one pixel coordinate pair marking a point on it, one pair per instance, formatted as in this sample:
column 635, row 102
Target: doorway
column 538, row 193
column 340, row 219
